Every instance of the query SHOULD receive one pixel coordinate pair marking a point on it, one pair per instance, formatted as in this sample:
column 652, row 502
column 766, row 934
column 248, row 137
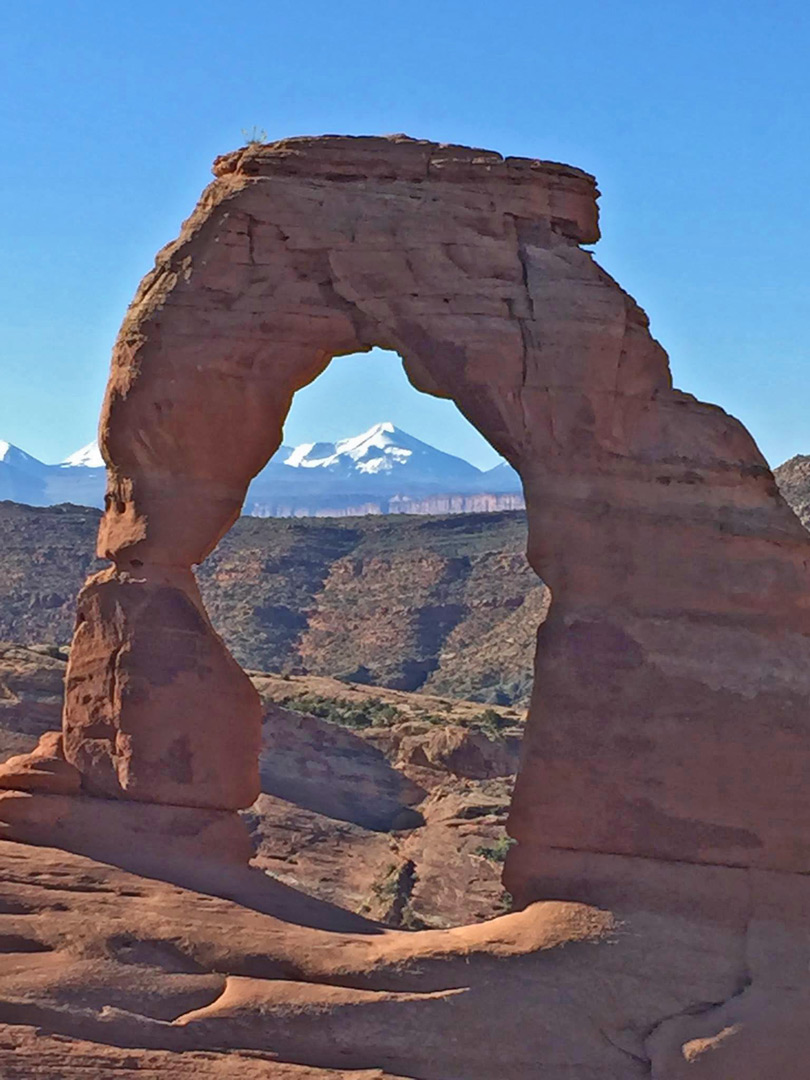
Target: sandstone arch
column 670, row 717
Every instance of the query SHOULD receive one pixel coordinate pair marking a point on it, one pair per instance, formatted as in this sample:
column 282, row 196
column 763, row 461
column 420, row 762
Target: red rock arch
column 653, row 517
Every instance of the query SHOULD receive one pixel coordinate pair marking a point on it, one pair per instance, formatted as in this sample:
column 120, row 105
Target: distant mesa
column 381, row 471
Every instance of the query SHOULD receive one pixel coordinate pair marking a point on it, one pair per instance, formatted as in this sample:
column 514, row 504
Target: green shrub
column 505, row 903
column 255, row 136
column 491, row 723
column 364, row 714
column 497, row 851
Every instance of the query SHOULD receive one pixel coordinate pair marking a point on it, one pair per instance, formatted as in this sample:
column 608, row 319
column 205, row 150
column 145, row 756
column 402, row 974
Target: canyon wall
column 440, row 604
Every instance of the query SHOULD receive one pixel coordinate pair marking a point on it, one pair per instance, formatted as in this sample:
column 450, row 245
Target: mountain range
column 383, row 470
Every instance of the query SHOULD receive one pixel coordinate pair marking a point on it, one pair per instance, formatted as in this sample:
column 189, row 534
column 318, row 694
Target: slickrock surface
column 28, row 1054
column 98, row 960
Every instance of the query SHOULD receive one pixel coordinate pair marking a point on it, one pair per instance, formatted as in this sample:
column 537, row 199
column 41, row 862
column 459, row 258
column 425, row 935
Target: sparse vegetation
column 254, row 136
column 497, row 851
column 446, row 606
column 370, row 712
column 390, row 899
column 505, row 903
column 387, row 887
column 491, row 723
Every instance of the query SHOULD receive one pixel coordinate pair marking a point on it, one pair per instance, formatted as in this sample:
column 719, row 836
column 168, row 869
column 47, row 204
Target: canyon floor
column 386, row 803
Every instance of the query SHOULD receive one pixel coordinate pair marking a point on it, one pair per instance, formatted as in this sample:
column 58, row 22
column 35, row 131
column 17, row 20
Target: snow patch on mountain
column 88, row 456
column 386, row 453
column 379, row 449
column 298, row 456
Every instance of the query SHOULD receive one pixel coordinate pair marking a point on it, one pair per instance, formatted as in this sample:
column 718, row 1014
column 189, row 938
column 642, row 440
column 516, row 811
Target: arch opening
column 425, row 591
column 445, row 454
column 430, row 596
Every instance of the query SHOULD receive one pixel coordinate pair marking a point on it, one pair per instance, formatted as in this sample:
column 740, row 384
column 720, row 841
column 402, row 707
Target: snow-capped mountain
column 382, row 470
column 15, row 458
column 383, row 449
column 89, row 456
column 79, row 479
column 21, row 476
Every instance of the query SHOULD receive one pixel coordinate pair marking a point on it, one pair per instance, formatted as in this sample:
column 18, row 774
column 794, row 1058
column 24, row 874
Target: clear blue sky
column 693, row 114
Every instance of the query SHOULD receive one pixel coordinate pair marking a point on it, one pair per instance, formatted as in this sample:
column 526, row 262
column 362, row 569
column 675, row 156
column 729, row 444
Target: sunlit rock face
column 665, row 767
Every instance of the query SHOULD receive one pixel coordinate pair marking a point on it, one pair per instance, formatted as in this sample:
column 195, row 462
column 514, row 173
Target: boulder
column 44, row 769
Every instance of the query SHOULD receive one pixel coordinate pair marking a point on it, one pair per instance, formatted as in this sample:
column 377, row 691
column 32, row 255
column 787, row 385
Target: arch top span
column 562, row 193
column 680, row 577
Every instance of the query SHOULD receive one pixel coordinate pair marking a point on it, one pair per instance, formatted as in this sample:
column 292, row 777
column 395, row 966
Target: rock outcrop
column 653, row 517
column 32, row 689
column 42, row 769
column 793, row 478
column 662, row 799
column 156, row 709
